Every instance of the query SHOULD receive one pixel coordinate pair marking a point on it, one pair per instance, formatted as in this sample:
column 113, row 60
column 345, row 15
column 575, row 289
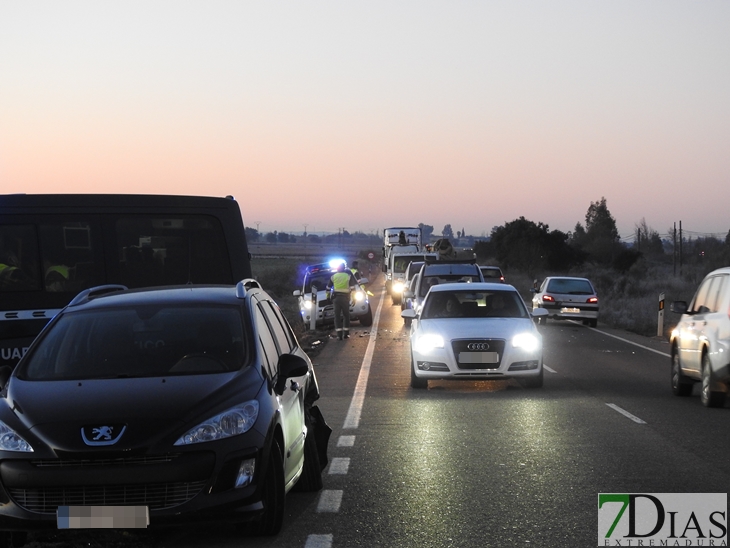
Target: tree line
column 532, row 247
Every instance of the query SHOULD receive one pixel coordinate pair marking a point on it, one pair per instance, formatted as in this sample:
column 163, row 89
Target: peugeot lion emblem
column 478, row 346
column 107, row 434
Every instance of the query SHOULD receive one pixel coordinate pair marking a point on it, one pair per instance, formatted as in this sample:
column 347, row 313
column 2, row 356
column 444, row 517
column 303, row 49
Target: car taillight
column 592, row 300
column 548, row 299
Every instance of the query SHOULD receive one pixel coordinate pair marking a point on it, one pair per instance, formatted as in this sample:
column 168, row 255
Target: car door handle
column 295, row 386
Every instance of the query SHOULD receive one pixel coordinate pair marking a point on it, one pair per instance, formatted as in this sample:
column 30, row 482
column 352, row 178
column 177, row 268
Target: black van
column 54, row 245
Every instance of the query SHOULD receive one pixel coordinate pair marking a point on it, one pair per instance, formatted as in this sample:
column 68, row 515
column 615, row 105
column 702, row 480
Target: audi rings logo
column 478, row 346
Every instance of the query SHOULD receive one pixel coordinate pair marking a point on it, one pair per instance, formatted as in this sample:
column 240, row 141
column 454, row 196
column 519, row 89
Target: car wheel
column 367, row 319
column 396, row 299
column 273, row 494
column 534, row 382
column 417, row 382
column 709, row 397
column 681, row 384
column 593, row 323
column 311, row 478
column 407, row 321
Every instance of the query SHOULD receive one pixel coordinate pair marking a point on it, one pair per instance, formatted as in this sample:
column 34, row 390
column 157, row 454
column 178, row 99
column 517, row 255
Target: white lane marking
column 339, row 465
column 330, row 501
column 319, row 541
column 626, row 341
column 626, row 413
column 358, row 398
column 546, row 368
column 346, row 441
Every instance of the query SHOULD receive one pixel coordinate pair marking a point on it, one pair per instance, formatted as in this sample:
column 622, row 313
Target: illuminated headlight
column 308, row 305
column 10, row 441
column 233, row 422
column 398, row 287
column 428, row 343
column 359, row 295
column 526, row 341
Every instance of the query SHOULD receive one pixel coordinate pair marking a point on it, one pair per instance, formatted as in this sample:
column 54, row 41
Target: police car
column 316, row 278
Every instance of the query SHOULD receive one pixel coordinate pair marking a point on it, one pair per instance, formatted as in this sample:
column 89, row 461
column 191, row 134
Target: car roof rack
column 245, row 285
column 87, row 294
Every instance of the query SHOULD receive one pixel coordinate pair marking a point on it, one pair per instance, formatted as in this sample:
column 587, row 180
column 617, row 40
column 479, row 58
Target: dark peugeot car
column 178, row 404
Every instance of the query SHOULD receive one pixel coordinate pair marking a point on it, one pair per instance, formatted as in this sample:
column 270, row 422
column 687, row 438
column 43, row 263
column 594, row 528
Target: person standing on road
column 341, row 284
column 355, row 270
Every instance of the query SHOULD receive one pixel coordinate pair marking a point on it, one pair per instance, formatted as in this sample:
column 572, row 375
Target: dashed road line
column 339, row 465
column 330, row 501
column 318, row 541
column 346, row 441
column 626, row 413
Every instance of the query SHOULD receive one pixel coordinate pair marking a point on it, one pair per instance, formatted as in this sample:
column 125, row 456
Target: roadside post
column 313, row 314
column 660, row 320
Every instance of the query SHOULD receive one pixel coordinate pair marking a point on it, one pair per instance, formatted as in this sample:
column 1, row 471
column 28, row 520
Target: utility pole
column 674, row 249
column 680, row 247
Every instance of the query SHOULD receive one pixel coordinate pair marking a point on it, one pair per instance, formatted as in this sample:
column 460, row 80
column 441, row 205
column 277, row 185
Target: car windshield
column 566, row 286
column 317, row 281
column 430, row 281
column 139, row 342
column 474, row 304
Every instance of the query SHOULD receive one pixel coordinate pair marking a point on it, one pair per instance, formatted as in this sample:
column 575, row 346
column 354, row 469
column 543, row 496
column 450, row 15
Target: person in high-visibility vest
column 340, row 285
column 8, row 275
column 56, row 277
column 355, row 270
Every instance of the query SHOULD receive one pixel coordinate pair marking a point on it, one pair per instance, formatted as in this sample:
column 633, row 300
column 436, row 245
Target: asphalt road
column 490, row 463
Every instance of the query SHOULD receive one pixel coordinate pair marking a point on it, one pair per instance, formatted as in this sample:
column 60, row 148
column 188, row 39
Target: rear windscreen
column 570, row 287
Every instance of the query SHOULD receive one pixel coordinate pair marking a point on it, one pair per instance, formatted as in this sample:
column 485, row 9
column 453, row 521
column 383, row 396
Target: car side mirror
column 537, row 312
column 408, row 294
column 678, row 307
column 290, row 365
column 408, row 313
column 532, row 289
column 297, row 293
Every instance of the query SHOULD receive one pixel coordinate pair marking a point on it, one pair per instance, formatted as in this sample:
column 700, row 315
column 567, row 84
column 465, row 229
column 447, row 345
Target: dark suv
column 176, row 404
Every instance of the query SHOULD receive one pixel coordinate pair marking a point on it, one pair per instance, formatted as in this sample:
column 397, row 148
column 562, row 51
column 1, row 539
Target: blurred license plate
column 570, row 310
column 478, row 357
column 102, row 517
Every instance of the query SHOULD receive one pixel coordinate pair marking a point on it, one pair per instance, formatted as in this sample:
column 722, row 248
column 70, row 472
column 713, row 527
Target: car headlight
column 234, row 421
column 11, row 441
column 526, row 341
column 398, row 287
column 428, row 343
column 308, row 305
column 359, row 295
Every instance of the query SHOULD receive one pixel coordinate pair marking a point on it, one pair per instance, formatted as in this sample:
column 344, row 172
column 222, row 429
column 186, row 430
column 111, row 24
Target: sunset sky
column 365, row 115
